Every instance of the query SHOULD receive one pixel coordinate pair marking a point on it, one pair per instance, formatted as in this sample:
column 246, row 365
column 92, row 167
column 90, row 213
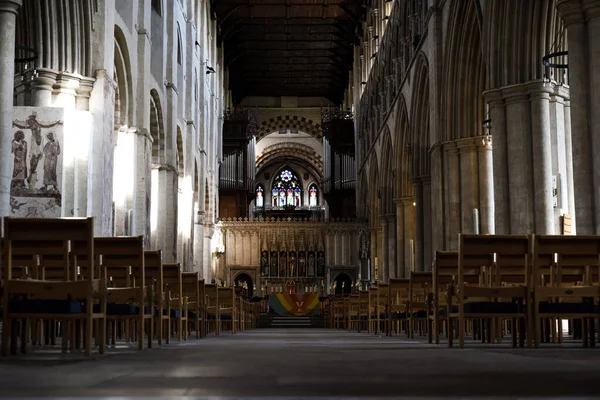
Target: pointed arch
column 157, row 128
column 374, row 191
column 464, row 76
column 387, row 176
column 122, row 77
column 402, row 154
column 180, row 153
column 420, row 138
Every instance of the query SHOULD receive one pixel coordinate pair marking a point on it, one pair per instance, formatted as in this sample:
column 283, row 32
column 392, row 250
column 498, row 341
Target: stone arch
column 157, row 128
column 122, row 76
column 290, row 150
column 387, row 176
column 281, row 122
column 517, row 36
column 402, row 154
column 244, row 277
column 180, row 159
column 343, row 284
column 464, row 77
column 420, row 142
column 374, row 194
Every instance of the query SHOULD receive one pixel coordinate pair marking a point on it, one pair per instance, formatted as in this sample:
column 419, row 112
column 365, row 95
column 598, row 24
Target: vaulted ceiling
column 289, row 47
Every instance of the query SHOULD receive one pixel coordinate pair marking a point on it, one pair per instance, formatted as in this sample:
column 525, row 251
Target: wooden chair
column 419, row 305
column 68, row 300
column 445, row 273
column 353, row 312
column 121, row 261
column 502, row 257
column 399, row 296
column 211, row 299
column 172, row 278
column 563, row 271
column 191, row 289
column 162, row 298
column 228, row 311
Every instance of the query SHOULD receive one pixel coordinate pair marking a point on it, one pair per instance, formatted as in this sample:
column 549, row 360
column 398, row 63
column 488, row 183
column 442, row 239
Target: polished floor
column 295, row 364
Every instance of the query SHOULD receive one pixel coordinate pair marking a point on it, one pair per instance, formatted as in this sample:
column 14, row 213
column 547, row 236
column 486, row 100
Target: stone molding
column 10, row 6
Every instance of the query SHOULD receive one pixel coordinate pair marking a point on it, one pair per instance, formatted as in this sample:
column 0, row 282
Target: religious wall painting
column 37, row 167
column 302, row 263
column 282, row 263
column 274, row 265
column 293, row 264
column 264, row 263
column 321, row 264
column 311, row 264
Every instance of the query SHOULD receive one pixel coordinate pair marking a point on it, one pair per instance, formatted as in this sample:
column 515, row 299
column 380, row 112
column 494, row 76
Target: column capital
column 591, row 9
column 450, row 147
column 466, row 145
column 538, row 90
column 571, row 11
column 494, row 97
column 484, row 142
column 11, row 6
column 404, row 200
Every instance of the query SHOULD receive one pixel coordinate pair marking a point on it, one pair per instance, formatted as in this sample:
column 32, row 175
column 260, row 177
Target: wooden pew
column 162, row 302
column 562, row 279
column 191, row 288
column 445, row 273
column 68, row 300
column 121, row 261
column 172, row 280
column 419, row 302
column 399, row 296
column 501, row 256
column 353, row 312
column 363, row 310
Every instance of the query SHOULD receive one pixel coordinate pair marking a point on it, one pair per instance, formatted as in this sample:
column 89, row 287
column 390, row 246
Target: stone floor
column 306, row 363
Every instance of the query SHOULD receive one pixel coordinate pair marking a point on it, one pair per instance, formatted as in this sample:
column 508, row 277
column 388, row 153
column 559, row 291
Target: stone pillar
column 453, row 176
column 486, row 185
column 499, row 162
column 373, row 252
column 581, row 41
column 469, row 182
column 409, row 206
column 520, row 174
column 541, row 142
column 384, row 262
column 427, row 228
column 8, row 14
column 391, row 245
column 198, row 261
column 569, row 163
column 400, row 248
column 419, row 227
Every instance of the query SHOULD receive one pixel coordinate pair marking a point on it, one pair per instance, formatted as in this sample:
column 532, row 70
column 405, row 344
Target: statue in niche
column 293, row 263
column 321, row 264
column 283, row 264
column 19, row 150
column 51, row 153
column 264, row 263
column 274, row 267
column 301, row 264
column 311, row 264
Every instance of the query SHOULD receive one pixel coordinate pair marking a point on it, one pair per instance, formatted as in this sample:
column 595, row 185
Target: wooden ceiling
column 289, row 47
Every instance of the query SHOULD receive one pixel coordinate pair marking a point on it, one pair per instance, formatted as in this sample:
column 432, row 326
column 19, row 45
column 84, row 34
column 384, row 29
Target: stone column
column 499, row 162
column 8, row 14
column 391, row 245
column 384, row 263
column 373, row 252
column 409, row 205
column 592, row 13
column 453, row 177
column 569, row 163
column 541, row 142
column 469, row 182
column 419, row 227
column 198, row 261
column 581, row 41
column 400, row 250
column 486, row 185
column 427, row 228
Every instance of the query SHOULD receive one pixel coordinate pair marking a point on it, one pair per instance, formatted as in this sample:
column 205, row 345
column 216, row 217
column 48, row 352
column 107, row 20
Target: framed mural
column 37, row 162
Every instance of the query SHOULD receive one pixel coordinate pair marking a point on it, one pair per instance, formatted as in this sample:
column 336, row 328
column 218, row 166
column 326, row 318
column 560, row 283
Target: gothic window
column 313, row 195
column 259, row 197
column 287, row 190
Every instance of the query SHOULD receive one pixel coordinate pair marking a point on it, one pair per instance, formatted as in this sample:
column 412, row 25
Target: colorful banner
column 295, row 305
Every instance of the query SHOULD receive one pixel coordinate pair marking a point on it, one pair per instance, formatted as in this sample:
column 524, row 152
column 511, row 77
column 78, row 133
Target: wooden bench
column 228, row 310
column 353, row 312
column 211, row 299
column 445, row 273
column 68, row 300
column 193, row 289
column 419, row 303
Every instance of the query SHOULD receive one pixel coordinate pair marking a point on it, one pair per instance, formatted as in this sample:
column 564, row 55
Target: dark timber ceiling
column 289, row 47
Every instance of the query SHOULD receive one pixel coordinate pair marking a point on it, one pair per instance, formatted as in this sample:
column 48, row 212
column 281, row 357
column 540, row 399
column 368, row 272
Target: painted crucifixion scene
column 35, row 187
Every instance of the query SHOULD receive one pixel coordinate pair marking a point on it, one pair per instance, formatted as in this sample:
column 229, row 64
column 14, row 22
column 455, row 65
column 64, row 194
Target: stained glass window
column 259, row 197
column 313, row 195
column 286, row 190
